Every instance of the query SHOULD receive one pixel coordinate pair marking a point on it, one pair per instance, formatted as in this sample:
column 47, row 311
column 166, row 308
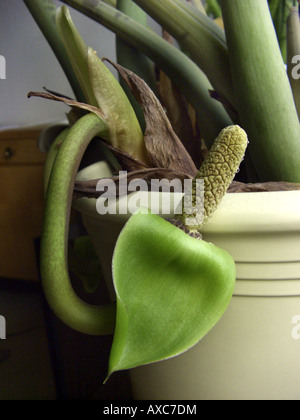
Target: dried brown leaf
column 163, row 145
column 240, row 187
column 180, row 113
column 177, row 112
column 126, row 161
column 68, row 101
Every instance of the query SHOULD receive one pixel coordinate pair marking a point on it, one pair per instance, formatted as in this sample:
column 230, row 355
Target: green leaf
column 171, row 290
column 102, row 89
column 124, row 128
column 77, row 51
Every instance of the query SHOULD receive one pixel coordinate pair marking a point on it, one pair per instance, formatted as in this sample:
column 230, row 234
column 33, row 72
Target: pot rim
column 274, row 211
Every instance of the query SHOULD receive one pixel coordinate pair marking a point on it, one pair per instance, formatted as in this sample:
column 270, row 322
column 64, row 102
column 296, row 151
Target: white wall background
column 31, row 64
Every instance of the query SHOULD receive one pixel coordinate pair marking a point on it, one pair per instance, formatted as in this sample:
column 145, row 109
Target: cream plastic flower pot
column 254, row 350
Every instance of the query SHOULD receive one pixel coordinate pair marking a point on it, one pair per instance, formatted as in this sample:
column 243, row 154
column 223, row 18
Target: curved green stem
column 51, row 155
column 199, row 36
column 60, row 295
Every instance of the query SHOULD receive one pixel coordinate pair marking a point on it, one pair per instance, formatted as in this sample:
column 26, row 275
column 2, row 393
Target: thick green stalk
column 56, row 283
column 43, row 12
column 293, row 54
column 197, row 35
column 182, row 71
column 134, row 60
column 51, row 155
column 263, row 94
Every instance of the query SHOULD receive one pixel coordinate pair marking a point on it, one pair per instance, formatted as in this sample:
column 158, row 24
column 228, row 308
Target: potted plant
column 174, row 285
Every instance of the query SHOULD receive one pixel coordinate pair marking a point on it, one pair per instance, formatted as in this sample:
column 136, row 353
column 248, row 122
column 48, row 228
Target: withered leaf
column 180, row 113
column 240, row 187
column 52, row 92
column 126, row 161
column 177, row 111
column 68, row 101
column 163, row 145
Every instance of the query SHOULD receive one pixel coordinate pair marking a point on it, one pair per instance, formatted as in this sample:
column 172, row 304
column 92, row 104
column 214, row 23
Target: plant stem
column 134, row 60
column 213, row 8
column 199, row 5
column 190, row 80
column 199, row 36
column 51, row 155
column 263, row 94
column 293, row 54
column 57, row 286
column 112, row 3
column 43, row 12
column 279, row 11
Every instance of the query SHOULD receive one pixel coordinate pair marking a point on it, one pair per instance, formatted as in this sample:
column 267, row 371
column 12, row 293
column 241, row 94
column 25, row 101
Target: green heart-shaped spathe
column 171, row 290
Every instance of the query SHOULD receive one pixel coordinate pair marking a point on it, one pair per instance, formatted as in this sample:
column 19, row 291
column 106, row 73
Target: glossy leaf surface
column 171, row 290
